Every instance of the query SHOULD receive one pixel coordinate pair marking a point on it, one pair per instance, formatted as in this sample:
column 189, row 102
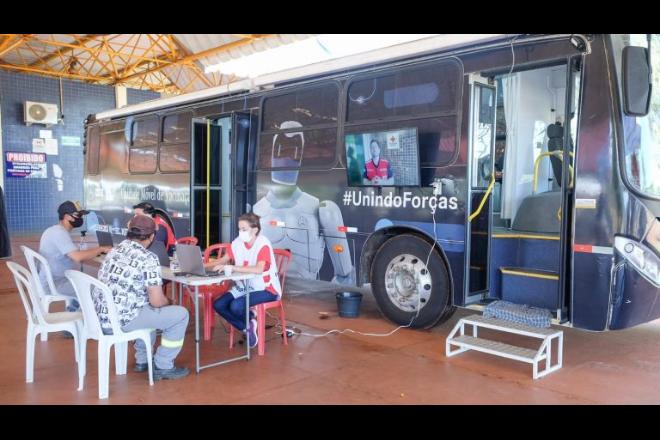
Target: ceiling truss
column 142, row 61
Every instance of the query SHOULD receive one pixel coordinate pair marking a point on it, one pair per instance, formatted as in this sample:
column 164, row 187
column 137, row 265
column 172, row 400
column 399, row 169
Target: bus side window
column 143, row 149
column 299, row 129
column 175, row 143
column 419, row 90
column 93, row 151
column 424, row 97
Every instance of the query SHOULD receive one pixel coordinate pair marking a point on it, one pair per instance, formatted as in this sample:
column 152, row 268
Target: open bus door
column 481, row 184
column 518, row 239
column 243, row 153
column 206, row 182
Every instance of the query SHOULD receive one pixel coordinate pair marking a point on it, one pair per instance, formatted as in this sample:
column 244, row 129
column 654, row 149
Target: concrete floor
column 408, row 367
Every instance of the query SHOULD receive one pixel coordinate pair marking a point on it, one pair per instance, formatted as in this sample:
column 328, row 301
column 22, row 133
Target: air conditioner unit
column 40, row 113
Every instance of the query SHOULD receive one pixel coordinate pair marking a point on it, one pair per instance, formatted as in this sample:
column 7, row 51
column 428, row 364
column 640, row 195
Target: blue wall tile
column 32, row 203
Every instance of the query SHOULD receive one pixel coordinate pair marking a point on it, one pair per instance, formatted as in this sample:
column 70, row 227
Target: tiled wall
column 135, row 96
column 32, row 203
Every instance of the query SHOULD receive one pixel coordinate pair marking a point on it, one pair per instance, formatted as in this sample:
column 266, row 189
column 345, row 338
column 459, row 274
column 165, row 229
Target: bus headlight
column 645, row 261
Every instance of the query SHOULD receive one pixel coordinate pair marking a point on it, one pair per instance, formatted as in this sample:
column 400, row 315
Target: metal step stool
column 465, row 342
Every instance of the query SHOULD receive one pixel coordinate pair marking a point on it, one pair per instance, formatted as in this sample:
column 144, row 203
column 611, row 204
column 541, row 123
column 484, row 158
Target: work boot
column 141, row 368
column 171, row 373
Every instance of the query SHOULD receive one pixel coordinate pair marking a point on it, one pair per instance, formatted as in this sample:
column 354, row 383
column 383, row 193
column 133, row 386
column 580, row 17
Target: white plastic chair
column 83, row 285
column 40, row 322
column 35, row 261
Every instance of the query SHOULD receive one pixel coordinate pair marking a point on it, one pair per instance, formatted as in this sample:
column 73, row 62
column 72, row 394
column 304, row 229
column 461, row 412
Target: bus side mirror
column 636, row 81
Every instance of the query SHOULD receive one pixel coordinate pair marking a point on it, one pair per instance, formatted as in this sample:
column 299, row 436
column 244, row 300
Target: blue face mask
column 288, row 177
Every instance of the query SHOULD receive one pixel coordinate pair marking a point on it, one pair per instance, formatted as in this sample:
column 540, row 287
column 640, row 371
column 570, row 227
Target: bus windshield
column 642, row 134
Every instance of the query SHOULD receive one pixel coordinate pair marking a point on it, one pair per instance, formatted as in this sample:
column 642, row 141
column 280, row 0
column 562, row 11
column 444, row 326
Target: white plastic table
column 196, row 281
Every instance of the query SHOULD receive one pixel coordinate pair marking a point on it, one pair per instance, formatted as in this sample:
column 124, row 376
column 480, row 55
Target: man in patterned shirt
column 133, row 275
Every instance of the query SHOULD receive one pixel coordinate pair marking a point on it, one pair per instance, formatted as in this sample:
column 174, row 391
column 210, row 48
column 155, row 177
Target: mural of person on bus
column 310, row 224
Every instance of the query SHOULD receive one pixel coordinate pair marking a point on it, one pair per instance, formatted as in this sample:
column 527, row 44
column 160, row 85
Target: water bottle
column 174, row 263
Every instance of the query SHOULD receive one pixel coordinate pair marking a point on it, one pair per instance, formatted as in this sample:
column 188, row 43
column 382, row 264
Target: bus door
column 481, row 183
column 206, row 182
column 243, row 153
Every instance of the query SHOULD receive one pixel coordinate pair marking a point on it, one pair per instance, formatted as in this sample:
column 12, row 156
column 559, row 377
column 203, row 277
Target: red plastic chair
column 209, row 293
column 282, row 259
column 187, row 240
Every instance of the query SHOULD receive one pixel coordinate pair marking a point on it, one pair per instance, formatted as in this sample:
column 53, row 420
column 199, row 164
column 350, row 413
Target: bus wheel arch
column 394, row 262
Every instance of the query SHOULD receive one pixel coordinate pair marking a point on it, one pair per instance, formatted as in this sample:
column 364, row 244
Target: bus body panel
column 599, row 302
column 594, row 177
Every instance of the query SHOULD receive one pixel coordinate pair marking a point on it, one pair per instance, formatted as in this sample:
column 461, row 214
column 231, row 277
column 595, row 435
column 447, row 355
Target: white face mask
column 246, row 236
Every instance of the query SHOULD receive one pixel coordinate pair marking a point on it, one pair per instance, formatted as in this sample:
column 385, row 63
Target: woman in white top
column 250, row 253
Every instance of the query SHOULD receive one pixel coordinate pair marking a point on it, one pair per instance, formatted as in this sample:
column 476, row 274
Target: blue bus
column 523, row 168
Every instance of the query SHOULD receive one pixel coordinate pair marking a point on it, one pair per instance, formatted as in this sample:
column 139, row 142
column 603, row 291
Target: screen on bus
column 383, row 158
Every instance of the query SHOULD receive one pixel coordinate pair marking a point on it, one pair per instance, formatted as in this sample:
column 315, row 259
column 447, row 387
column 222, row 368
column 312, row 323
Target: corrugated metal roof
column 196, row 43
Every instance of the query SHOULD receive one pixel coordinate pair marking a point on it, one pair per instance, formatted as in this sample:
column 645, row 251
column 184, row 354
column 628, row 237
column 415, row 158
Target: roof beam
column 53, row 73
column 85, row 48
column 196, row 56
column 193, row 65
column 11, row 44
column 127, row 70
column 60, row 52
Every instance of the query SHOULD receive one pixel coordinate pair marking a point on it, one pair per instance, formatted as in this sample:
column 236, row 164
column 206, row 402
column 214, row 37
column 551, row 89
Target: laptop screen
column 158, row 248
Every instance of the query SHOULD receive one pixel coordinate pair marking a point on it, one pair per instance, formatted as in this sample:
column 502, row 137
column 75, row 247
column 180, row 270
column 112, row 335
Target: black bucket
column 348, row 304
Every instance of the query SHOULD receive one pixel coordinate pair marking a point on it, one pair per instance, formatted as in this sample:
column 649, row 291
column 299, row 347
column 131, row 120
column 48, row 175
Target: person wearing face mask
column 57, row 246
column 251, row 253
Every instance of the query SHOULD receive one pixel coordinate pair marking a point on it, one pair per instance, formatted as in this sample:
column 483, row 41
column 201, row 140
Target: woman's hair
column 252, row 219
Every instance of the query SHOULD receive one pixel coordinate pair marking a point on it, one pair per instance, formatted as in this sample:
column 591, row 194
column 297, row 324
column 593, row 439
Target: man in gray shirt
column 62, row 254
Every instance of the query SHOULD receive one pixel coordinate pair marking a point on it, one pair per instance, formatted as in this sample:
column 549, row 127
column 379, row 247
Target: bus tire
column 401, row 282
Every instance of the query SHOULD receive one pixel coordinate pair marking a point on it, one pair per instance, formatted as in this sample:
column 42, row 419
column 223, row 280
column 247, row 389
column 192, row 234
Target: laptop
column 191, row 261
column 104, row 238
column 158, row 248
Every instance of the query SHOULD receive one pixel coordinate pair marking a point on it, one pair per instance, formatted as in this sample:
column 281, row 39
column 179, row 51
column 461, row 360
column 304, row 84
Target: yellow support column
column 208, row 180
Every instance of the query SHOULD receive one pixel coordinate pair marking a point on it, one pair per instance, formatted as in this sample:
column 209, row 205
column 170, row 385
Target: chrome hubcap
column 408, row 282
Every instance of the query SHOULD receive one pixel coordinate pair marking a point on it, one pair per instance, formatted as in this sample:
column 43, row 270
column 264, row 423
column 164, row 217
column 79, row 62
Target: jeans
column 233, row 309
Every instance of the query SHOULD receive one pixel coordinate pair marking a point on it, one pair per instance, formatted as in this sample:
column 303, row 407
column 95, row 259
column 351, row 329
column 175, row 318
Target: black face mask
column 77, row 222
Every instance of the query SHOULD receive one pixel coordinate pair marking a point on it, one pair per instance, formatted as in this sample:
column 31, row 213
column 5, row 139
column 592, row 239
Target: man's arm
column 154, row 282
column 156, row 297
column 81, row 255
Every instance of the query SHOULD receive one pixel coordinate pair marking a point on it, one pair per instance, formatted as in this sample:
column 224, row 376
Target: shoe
column 252, row 333
column 171, row 373
column 141, row 368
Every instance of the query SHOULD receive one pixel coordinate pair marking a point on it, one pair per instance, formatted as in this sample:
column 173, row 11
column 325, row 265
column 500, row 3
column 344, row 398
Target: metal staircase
column 466, row 342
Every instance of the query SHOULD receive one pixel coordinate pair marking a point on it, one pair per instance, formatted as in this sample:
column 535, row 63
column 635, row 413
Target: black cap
column 147, row 207
column 69, row 207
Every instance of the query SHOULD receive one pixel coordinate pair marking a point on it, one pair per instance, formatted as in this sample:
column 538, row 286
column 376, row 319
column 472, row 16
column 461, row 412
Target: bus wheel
column 407, row 289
